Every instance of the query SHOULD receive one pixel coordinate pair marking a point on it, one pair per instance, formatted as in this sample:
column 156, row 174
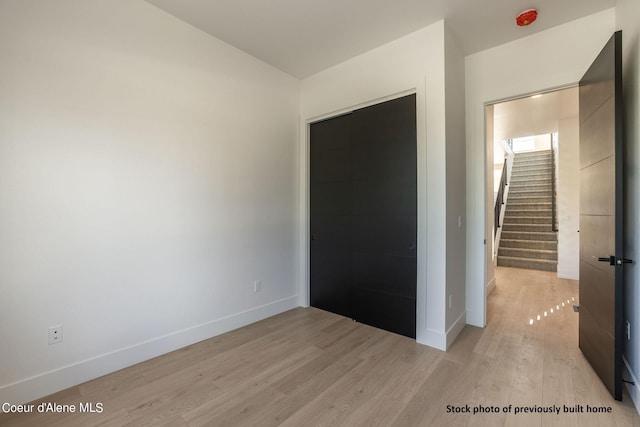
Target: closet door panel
column 384, row 215
column 363, row 215
column 330, row 219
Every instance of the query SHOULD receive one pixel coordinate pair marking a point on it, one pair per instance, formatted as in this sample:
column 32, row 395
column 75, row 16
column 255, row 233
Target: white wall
column 490, row 248
column 414, row 63
column 499, row 154
column 557, row 57
column 148, row 175
column 456, row 187
column 543, row 142
column 628, row 20
column 568, row 198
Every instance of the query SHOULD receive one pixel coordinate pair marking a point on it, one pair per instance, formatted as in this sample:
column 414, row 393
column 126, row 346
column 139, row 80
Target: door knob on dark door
column 610, row 259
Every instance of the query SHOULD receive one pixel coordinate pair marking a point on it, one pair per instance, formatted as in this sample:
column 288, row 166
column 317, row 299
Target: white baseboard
column 456, row 328
column 634, row 389
column 572, row 275
column 491, row 285
column 64, row 377
column 474, row 319
column 435, row 339
column 442, row 340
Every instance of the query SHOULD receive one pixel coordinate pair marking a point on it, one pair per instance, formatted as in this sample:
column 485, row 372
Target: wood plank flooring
column 308, row 367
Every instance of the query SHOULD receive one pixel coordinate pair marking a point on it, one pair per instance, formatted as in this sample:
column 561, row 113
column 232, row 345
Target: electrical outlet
column 55, row 334
column 628, row 330
column 450, row 300
column 257, row 286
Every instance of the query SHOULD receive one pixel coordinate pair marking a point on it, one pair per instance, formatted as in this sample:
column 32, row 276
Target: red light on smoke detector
column 527, row 17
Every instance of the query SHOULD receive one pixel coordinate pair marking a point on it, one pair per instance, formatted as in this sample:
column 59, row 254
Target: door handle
column 610, row 259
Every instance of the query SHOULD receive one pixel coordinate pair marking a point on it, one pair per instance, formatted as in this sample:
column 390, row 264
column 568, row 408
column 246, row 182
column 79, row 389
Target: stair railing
column 497, row 210
column 553, row 188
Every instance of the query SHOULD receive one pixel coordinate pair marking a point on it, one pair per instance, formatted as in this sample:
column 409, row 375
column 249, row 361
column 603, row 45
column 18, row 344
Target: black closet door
column 363, row 215
column 330, row 208
column 384, row 192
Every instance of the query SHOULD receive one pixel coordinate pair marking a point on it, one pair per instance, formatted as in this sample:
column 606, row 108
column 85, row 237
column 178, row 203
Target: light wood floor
column 307, row 367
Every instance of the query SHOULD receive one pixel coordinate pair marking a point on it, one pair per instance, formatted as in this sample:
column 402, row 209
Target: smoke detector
column 527, row 17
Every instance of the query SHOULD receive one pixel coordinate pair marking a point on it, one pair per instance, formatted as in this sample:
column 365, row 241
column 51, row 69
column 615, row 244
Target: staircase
column 527, row 239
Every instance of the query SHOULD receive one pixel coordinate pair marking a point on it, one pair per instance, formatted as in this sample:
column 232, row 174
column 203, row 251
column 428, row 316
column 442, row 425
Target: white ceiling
column 534, row 116
column 303, row 37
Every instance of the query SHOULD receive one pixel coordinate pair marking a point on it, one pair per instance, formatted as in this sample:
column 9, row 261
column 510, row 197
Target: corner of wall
column 491, row 285
column 455, row 329
column 435, row 339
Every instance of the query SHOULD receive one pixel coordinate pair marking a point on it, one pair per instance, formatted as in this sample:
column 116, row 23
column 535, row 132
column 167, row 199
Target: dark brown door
column 601, row 261
column 384, row 209
column 363, row 205
column 331, row 220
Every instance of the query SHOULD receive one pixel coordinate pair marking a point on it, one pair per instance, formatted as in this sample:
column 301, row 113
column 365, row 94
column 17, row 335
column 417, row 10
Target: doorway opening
column 541, row 199
column 525, row 223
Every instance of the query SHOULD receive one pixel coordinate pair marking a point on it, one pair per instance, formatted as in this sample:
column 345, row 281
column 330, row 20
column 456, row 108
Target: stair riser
column 521, row 203
column 542, row 182
column 527, row 220
column 530, row 228
column 525, row 192
column 532, row 162
column 530, row 193
column 528, row 253
column 529, row 207
column 528, row 264
column 530, row 199
column 513, row 212
column 532, row 157
column 529, row 176
column 517, row 163
column 541, row 160
column 530, row 183
column 518, row 166
column 519, row 173
column 521, row 235
column 537, row 153
column 528, row 244
column 521, row 169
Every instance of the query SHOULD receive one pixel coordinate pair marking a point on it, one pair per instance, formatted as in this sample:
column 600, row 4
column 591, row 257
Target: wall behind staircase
column 568, row 190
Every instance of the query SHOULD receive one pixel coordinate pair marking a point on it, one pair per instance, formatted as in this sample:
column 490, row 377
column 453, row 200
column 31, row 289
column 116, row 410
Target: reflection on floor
column 532, row 314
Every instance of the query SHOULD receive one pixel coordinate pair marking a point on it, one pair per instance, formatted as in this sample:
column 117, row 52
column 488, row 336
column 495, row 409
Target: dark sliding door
column 363, row 215
column 330, row 215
